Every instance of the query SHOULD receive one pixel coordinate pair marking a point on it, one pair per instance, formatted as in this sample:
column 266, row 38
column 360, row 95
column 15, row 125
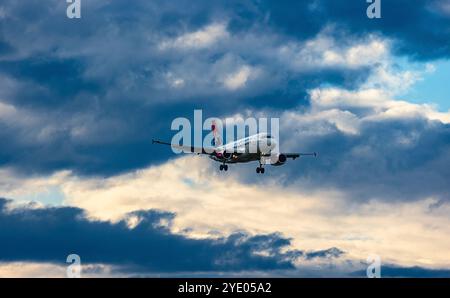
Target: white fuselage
column 247, row 149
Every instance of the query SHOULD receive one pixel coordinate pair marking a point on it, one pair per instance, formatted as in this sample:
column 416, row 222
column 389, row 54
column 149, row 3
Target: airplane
column 239, row 151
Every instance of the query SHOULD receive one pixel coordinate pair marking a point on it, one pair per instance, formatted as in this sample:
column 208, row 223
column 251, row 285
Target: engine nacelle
column 227, row 155
column 280, row 160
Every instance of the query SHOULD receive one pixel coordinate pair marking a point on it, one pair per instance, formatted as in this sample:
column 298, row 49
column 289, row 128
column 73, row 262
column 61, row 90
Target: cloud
column 52, row 270
column 324, row 51
column 441, row 7
column 50, row 234
column 408, row 272
column 6, row 111
column 199, row 39
column 80, row 102
column 97, row 108
column 419, row 29
column 209, row 205
column 377, row 104
column 238, row 79
column 328, row 253
column 347, row 109
column 369, row 145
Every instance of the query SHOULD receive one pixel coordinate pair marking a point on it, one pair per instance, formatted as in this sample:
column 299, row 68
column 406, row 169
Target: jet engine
column 280, row 160
column 227, row 155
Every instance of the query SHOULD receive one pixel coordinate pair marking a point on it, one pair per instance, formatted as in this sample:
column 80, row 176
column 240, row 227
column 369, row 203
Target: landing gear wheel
column 262, row 170
column 221, row 167
column 225, row 167
column 257, row 170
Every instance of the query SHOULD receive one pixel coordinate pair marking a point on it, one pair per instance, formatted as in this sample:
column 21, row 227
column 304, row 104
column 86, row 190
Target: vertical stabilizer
column 217, row 141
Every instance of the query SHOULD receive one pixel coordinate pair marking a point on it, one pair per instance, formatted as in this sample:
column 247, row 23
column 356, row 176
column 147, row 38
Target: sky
column 81, row 100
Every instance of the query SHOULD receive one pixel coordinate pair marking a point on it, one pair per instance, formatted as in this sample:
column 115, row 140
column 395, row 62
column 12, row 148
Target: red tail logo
column 217, row 140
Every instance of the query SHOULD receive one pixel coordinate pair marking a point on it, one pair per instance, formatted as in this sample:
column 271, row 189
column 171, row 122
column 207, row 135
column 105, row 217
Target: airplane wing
column 186, row 149
column 298, row 155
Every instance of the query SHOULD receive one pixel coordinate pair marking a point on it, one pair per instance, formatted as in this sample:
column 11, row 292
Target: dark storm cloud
column 97, row 87
column 50, row 234
column 52, row 80
column 419, row 28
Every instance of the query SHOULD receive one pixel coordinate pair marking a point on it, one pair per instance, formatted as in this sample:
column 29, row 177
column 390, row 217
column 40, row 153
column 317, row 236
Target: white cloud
column 239, row 78
column 378, row 102
column 334, row 108
column 393, row 82
column 32, row 188
column 374, row 100
column 323, row 51
column 194, row 77
column 202, row 38
column 175, row 82
column 31, row 270
column 203, row 73
column 366, row 54
column 344, row 121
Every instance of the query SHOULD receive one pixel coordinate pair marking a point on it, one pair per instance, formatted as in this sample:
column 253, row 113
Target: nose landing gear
column 223, row 168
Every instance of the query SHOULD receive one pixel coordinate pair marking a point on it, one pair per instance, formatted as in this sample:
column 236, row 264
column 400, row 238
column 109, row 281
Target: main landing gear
column 260, row 169
column 223, row 167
